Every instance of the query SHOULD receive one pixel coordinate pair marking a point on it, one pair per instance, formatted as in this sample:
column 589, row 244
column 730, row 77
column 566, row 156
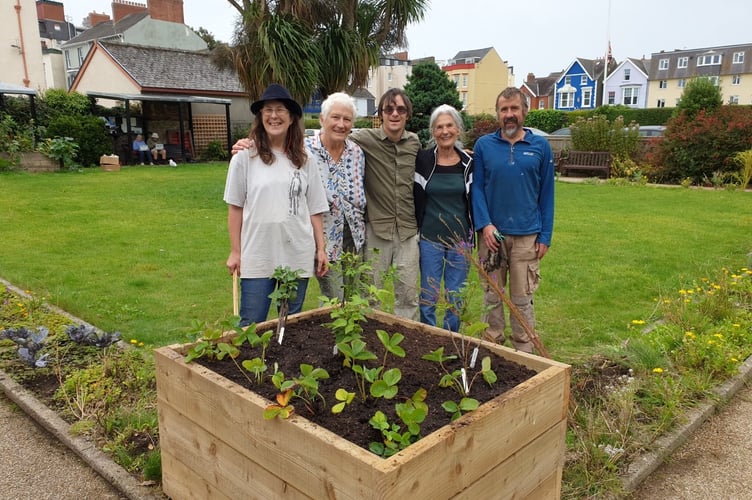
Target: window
column 67, row 60
column 627, row 74
column 583, row 80
column 566, row 100
column 736, row 80
column 464, row 81
column 709, row 60
column 567, row 80
column 80, row 51
column 611, row 97
column 734, row 99
column 661, row 103
column 587, row 98
column 683, row 62
column 663, row 64
column 682, row 83
column 676, row 101
column 713, row 79
column 541, row 104
column 464, row 100
column 389, row 77
column 457, row 81
column 630, row 95
column 663, row 84
column 738, row 58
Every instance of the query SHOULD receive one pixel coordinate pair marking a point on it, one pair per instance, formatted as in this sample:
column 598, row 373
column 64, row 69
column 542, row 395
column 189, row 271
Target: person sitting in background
column 157, row 148
column 140, row 148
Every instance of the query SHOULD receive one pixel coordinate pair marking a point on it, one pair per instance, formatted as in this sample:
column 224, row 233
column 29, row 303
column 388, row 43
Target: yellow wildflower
column 735, row 325
column 134, row 341
column 658, row 370
column 638, row 321
column 682, row 292
column 718, row 336
column 140, row 344
column 689, row 334
column 734, row 360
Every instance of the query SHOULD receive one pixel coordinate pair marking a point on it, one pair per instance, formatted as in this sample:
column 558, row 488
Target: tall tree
column 427, row 88
column 306, row 45
column 699, row 94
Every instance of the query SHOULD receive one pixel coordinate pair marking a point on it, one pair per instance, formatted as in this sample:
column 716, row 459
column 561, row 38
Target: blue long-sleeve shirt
column 513, row 185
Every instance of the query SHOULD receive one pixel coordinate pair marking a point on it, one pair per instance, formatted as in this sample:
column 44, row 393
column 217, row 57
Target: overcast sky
column 539, row 37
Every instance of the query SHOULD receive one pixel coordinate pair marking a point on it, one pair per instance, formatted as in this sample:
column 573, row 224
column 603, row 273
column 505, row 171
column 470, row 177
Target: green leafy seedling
column 465, row 405
column 345, row 398
column 386, row 386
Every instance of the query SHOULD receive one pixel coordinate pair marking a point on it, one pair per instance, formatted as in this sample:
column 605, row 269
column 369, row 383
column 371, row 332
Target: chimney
column 530, row 78
column 167, row 10
column 95, row 18
column 122, row 8
column 50, row 11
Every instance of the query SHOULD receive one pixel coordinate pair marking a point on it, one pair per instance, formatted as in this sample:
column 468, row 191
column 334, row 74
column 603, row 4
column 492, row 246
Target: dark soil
column 309, row 342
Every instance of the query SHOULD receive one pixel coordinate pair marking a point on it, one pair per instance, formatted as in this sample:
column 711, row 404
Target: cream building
column 730, row 67
column 479, row 76
column 20, row 50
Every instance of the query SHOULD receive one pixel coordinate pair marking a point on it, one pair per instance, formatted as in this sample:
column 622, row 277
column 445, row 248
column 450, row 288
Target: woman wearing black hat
column 276, row 200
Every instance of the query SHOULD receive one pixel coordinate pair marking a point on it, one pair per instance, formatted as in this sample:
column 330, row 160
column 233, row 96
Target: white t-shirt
column 278, row 201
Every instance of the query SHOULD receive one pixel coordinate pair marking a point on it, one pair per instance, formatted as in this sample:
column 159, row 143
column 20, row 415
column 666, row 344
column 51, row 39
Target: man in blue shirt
column 513, row 210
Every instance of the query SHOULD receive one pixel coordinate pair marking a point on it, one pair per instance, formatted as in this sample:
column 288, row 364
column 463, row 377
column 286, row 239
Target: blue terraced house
column 580, row 86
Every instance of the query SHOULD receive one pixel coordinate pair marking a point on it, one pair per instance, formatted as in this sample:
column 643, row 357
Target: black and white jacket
column 425, row 165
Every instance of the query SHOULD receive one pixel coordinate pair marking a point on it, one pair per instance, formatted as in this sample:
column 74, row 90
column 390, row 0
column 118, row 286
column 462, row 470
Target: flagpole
column 608, row 54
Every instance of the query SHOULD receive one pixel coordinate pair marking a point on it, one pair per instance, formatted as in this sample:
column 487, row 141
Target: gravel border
column 645, row 464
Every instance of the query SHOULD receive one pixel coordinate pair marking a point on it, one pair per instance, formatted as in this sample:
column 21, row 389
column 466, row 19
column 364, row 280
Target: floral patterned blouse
column 343, row 182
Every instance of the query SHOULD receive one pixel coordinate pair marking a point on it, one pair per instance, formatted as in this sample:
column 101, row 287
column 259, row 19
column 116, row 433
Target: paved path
column 35, row 465
column 716, row 461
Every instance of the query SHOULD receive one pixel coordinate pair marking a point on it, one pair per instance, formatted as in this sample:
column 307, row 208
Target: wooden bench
column 595, row 161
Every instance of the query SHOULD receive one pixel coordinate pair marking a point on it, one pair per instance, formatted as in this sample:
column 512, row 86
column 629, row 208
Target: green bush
column 58, row 102
column 699, row 94
column 88, row 132
column 600, row 134
column 13, row 141
column 702, row 147
column 215, row 151
column 62, row 149
column 547, row 120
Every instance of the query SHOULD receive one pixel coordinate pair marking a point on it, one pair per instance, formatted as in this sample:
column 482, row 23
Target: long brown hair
column 294, row 141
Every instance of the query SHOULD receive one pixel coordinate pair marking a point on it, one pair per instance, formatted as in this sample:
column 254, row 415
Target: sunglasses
column 391, row 109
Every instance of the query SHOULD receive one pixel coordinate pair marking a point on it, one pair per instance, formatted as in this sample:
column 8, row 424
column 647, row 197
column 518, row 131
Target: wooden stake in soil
column 235, row 299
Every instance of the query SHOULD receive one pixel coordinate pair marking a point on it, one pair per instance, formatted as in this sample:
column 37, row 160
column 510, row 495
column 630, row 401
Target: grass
column 142, row 251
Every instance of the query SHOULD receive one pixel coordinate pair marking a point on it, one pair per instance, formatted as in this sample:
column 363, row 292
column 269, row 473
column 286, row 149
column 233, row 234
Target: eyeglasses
column 280, row 111
column 388, row 110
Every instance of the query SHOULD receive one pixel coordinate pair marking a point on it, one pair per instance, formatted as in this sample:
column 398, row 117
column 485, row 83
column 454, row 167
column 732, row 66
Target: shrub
column 547, row 120
column 699, row 94
column 215, row 151
column 701, row 146
column 88, row 132
column 598, row 134
column 62, row 149
column 482, row 125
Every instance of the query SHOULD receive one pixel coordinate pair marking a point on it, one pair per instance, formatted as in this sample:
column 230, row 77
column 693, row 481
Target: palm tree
column 305, row 45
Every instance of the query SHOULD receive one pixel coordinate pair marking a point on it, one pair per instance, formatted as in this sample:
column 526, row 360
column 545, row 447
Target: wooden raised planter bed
column 216, row 444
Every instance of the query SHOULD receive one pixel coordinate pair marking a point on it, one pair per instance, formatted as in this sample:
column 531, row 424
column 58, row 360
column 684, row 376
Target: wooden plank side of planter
column 532, row 472
column 209, row 457
column 178, row 481
column 300, row 453
column 462, row 452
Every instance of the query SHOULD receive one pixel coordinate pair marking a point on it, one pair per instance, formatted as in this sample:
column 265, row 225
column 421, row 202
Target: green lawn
column 142, row 250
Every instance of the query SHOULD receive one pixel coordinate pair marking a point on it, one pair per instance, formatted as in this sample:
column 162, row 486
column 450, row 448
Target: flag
column 609, row 56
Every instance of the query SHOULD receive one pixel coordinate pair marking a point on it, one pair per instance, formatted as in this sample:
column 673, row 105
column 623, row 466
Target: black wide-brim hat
column 276, row 92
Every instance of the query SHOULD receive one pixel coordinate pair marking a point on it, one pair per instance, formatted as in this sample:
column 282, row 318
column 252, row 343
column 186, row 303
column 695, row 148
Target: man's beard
column 510, row 128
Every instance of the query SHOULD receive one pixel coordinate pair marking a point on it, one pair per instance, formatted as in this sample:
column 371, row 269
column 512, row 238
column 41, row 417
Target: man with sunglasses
column 391, row 228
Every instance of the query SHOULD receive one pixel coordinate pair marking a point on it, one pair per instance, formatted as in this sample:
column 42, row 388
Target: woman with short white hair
column 342, row 167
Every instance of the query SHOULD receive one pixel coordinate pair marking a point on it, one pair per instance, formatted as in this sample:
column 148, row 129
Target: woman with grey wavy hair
column 342, row 168
column 443, row 176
